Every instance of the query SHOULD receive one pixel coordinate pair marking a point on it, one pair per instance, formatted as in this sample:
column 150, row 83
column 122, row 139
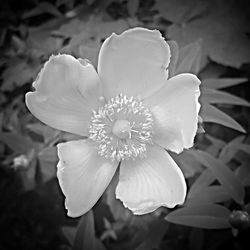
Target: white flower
column 130, row 111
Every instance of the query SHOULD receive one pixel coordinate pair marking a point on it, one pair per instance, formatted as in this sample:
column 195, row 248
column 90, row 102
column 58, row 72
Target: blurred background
column 212, row 41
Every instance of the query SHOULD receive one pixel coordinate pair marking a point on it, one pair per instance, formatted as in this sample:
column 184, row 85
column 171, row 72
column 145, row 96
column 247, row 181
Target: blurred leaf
column 41, row 42
column 216, row 145
column 132, row 6
column 179, row 11
column 46, row 132
column 221, row 23
column 243, row 173
column 223, row 174
column 187, row 163
column 207, row 195
column 230, row 149
column 212, row 70
column 210, row 113
column 174, row 51
column 41, row 8
column 28, row 176
column 244, row 147
column 116, row 207
column 69, row 233
column 85, row 235
column 220, row 83
column 189, row 58
column 18, row 143
column 85, row 43
column 220, row 97
column 156, row 231
column 19, row 72
column 203, row 181
column 205, row 216
column 110, row 232
column 48, row 160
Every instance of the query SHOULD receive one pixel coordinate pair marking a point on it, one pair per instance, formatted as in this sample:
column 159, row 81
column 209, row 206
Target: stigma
column 122, row 128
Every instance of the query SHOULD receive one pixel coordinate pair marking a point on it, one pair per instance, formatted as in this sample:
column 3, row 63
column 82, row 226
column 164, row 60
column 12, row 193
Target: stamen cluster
column 122, row 108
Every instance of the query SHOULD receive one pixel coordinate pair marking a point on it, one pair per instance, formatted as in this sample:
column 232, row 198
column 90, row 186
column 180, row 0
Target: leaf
column 132, row 6
column 41, row 42
column 230, row 149
column 217, row 27
column 85, row 235
column 179, row 11
column 187, row 163
column 244, row 147
column 210, row 113
column 156, row 231
column 29, row 176
column 203, row 181
column 46, row 132
column 220, row 83
column 85, row 43
column 119, row 212
column 216, row 145
column 243, row 172
column 220, row 97
column 223, row 174
column 174, row 53
column 19, row 72
column 205, row 216
column 41, row 8
column 69, row 233
column 48, row 160
column 189, row 58
column 18, row 143
column 207, row 195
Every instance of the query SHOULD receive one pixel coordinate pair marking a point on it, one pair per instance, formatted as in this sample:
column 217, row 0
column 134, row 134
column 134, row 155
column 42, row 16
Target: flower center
column 122, row 128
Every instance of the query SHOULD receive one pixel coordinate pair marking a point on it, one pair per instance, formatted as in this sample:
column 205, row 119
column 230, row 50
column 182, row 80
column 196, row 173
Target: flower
column 130, row 113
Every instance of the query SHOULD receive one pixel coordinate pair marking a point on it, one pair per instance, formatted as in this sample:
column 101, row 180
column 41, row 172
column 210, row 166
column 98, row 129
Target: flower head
column 130, row 113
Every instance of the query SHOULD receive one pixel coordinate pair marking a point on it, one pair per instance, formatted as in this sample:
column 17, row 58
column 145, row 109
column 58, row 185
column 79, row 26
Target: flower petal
column 146, row 184
column 175, row 108
column 66, row 91
column 83, row 175
column 133, row 63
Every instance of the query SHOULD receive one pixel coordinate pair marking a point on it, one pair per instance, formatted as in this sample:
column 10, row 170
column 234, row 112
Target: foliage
column 211, row 41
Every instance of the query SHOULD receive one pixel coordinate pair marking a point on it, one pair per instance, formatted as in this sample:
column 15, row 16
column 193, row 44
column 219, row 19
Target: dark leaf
column 216, row 145
column 203, row 181
column 48, row 160
column 189, row 58
column 132, row 6
column 17, row 142
column 41, row 8
column 210, row 113
column 229, row 150
column 223, row 174
column 179, row 11
column 204, row 216
column 18, row 73
column 187, row 163
column 85, row 235
column 220, row 97
column 174, row 50
column 221, row 21
column 69, row 233
column 220, row 83
column 207, row 195
column 156, row 230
